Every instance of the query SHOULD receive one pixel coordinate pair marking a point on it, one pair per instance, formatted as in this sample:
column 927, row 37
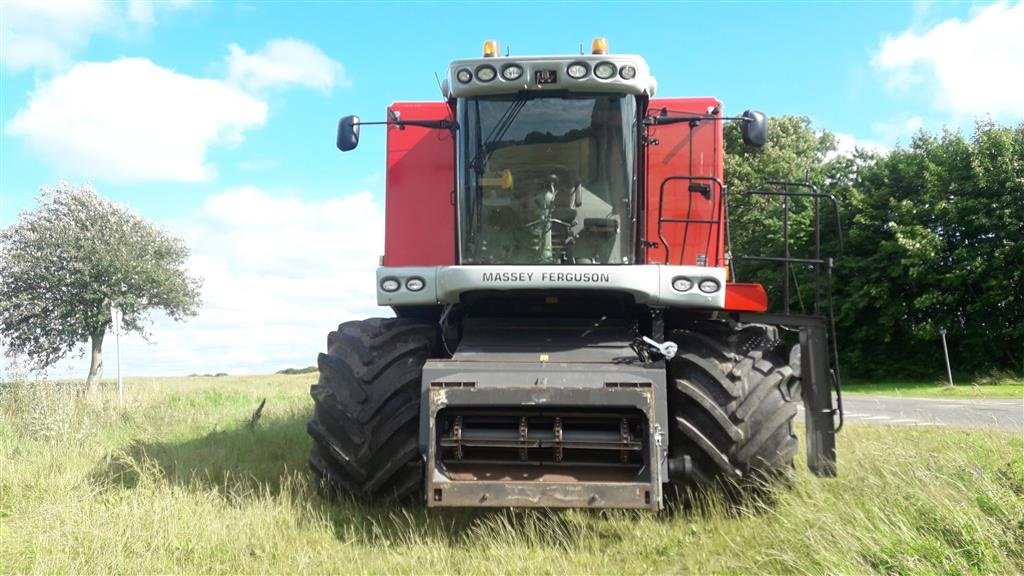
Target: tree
column 939, row 241
column 933, row 239
column 68, row 261
column 795, row 152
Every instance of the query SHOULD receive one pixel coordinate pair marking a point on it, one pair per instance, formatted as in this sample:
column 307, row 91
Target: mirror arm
column 434, row 124
column 663, row 120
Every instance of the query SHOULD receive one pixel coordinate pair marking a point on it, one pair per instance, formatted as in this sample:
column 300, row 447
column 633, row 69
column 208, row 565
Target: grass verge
column 181, row 483
column 980, row 388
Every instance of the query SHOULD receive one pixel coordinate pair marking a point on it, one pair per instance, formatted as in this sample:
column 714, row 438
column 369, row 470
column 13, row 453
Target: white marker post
column 945, row 351
column 115, row 316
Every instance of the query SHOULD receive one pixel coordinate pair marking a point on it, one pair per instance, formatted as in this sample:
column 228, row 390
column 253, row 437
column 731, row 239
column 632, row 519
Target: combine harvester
column 568, row 333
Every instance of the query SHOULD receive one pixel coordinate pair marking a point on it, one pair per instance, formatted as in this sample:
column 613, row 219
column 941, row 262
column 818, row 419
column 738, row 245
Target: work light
column 604, row 70
column 485, row 73
column 577, row 70
column 682, row 284
column 708, row 285
column 511, row 72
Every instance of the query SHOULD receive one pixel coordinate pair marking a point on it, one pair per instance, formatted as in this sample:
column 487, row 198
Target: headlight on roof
column 627, row 72
column 485, row 73
column 511, row 71
column 577, row 70
column 604, row 70
column 464, row 75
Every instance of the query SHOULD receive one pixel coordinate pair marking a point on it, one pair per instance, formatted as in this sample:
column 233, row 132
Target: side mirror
column 754, row 128
column 348, row 133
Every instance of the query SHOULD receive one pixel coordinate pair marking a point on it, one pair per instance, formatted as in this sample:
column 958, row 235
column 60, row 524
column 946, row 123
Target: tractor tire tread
column 728, row 404
column 365, row 424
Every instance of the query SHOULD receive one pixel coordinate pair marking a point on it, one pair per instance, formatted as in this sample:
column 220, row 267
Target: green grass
column 179, row 483
column 979, row 388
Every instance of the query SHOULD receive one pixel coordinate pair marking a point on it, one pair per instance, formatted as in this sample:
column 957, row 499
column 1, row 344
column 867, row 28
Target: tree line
column 933, row 239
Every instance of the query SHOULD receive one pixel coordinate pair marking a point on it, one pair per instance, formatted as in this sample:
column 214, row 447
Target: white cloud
column 46, row 34
column 144, row 11
column 280, row 272
column 131, row 120
column 281, row 63
column 847, row 144
column 898, row 129
column 972, row 66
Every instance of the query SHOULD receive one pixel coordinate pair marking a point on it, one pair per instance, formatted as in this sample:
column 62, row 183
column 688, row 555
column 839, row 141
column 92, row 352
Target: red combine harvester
column 567, row 332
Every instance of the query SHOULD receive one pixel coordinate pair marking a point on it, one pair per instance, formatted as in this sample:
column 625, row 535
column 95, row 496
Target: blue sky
column 217, row 120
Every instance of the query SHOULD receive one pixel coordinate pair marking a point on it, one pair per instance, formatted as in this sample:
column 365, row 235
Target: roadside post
column 945, row 352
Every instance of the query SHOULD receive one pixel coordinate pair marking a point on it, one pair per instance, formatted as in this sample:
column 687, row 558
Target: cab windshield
column 547, row 179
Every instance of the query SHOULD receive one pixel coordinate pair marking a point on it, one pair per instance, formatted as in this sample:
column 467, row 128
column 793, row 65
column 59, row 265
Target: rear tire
column 730, row 411
column 365, row 425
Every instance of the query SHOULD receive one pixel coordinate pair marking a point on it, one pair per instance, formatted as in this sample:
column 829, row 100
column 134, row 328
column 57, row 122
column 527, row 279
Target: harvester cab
column 567, row 330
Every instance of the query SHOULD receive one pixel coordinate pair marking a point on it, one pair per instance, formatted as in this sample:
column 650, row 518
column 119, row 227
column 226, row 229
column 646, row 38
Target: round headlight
column 577, row 70
column 709, row 285
column 627, row 72
column 512, row 72
column 604, row 70
column 464, row 75
column 415, row 284
column 389, row 285
column 485, row 73
column 682, row 284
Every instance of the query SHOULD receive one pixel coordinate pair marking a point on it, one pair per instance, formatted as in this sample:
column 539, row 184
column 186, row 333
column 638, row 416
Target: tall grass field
column 182, row 481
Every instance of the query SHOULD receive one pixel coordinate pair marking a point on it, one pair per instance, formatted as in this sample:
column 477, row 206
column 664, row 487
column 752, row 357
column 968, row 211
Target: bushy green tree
column 937, row 241
column 795, row 152
column 934, row 238
column 66, row 262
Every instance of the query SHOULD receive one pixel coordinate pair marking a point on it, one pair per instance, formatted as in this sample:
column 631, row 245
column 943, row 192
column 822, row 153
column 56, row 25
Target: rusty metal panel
column 536, row 495
column 551, row 387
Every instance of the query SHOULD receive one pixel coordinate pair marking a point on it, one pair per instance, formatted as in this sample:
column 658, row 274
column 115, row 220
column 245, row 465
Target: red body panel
column 419, row 227
column 684, row 151
column 745, row 298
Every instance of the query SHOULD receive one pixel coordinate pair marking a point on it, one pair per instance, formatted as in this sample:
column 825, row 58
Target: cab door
column 683, row 172
column 419, row 211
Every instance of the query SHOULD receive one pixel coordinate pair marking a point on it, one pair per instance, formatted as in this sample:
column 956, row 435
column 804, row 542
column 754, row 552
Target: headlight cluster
column 602, row 70
column 577, row 71
column 487, row 73
column 705, row 285
column 414, row 284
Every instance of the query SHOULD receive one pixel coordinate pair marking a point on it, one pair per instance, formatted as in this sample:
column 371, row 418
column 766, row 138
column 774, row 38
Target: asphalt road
column 1001, row 414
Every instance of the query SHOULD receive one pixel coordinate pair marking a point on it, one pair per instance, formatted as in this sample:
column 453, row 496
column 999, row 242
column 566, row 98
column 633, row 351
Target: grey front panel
column 547, row 340
column 539, row 388
column 647, row 283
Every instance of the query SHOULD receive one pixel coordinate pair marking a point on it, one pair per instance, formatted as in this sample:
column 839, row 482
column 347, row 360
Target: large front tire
column 365, row 426
column 730, row 410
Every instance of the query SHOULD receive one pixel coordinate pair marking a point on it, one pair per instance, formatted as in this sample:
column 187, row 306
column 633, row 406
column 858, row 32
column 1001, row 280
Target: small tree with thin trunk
column 64, row 264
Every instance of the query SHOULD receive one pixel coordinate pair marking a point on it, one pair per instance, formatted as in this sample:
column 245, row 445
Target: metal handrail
column 715, row 219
